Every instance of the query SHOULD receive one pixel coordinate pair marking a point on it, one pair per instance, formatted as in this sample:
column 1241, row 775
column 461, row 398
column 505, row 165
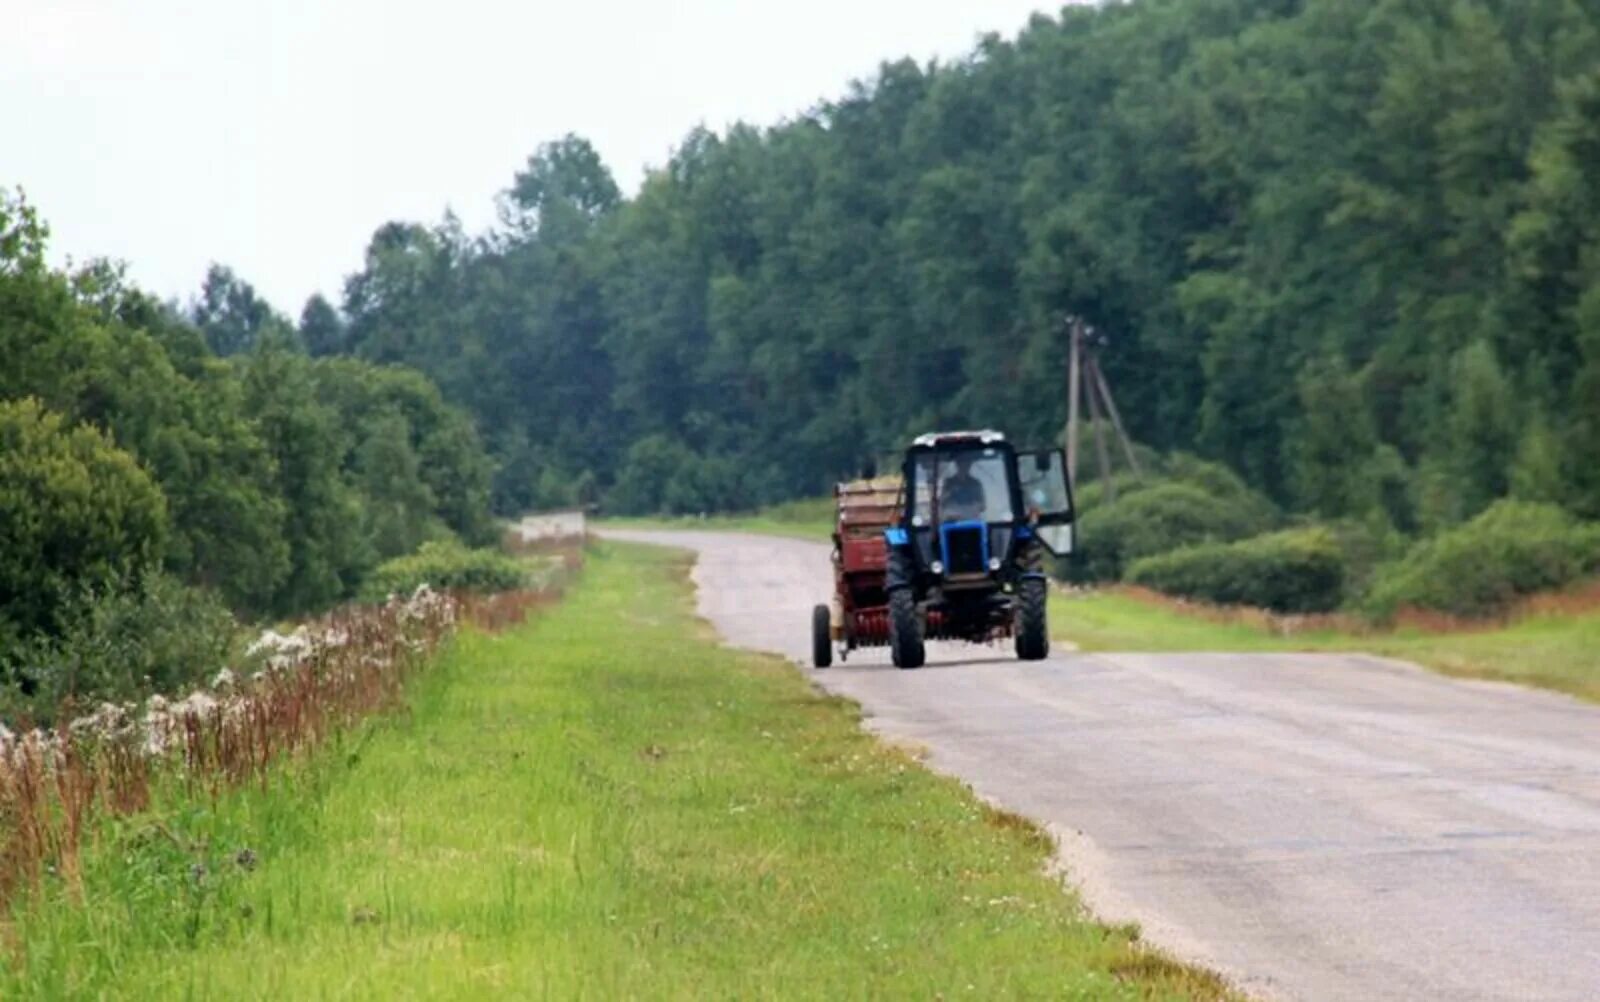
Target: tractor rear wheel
column 1033, row 630
column 821, row 637
column 905, row 630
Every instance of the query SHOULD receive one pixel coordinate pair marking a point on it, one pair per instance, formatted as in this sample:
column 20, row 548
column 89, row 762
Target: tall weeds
column 300, row 688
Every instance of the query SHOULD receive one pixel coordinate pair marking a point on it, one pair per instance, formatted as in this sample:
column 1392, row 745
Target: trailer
column 858, row 616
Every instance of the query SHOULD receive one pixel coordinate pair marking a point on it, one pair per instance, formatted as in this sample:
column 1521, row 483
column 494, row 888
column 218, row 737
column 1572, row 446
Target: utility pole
column 1100, row 383
column 1074, row 380
column 1085, row 376
column 1101, row 453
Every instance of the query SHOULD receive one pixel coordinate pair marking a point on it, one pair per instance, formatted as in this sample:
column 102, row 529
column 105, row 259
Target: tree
column 564, row 189
column 303, row 437
column 22, row 236
column 230, row 314
column 322, row 330
column 1333, row 457
column 76, row 513
column 397, row 506
column 1482, row 429
column 1583, row 440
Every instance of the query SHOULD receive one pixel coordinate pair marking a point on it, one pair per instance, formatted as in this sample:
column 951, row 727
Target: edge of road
column 1075, row 860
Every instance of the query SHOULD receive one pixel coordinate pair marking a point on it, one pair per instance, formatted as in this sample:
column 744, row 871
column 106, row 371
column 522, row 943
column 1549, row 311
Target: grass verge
column 1549, row 644
column 601, row 804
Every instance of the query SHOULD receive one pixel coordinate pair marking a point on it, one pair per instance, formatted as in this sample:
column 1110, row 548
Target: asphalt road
column 1317, row 827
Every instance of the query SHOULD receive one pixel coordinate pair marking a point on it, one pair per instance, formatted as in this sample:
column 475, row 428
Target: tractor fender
column 900, row 569
column 1029, row 557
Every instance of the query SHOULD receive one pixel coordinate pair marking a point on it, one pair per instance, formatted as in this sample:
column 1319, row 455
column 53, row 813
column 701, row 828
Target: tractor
column 954, row 549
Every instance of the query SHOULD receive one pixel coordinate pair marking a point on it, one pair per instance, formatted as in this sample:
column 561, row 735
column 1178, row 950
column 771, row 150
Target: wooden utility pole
column 1074, row 380
column 1100, row 383
column 1101, row 452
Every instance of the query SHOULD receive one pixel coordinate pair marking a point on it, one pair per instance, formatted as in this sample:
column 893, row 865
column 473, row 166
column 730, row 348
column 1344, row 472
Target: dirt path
column 1320, row 827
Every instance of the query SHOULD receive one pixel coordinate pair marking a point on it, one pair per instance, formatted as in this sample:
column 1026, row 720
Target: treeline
column 150, row 490
column 1348, row 249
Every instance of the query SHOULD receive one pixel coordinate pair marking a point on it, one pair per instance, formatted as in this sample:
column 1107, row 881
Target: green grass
column 1558, row 651
column 809, row 518
column 600, row 804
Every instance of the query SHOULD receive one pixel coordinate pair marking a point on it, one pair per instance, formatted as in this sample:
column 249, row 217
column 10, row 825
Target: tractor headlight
column 937, row 566
column 994, row 563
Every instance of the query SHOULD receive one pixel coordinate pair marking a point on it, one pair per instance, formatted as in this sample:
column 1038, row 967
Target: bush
column 446, row 566
column 1514, row 548
column 661, row 475
column 122, row 643
column 76, row 513
column 1157, row 519
column 1301, row 570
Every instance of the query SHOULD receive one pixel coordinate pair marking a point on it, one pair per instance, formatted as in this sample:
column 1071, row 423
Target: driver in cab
column 961, row 496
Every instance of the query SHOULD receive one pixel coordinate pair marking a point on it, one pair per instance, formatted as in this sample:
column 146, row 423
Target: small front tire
column 1033, row 628
column 821, row 636
column 905, row 631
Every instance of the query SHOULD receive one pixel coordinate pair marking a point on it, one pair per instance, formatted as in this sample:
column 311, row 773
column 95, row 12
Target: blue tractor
column 966, row 558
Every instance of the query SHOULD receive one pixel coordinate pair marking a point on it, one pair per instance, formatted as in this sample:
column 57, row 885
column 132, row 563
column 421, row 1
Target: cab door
column 1047, row 498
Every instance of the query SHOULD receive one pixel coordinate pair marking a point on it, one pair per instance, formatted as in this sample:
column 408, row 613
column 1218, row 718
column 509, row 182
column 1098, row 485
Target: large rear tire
column 905, row 631
column 821, row 637
column 1033, row 628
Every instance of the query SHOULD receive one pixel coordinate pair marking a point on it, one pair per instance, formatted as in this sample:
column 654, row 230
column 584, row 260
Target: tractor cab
column 973, row 503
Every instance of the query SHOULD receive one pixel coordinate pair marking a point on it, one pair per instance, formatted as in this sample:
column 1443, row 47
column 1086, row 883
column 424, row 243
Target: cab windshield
column 972, row 485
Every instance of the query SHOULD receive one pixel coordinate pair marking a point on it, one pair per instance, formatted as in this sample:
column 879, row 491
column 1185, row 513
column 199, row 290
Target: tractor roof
column 937, row 439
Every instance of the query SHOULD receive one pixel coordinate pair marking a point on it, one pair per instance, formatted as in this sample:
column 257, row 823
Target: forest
column 1341, row 261
column 1347, row 250
column 152, row 492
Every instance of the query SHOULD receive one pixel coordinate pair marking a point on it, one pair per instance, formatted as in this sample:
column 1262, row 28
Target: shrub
column 447, row 566
column 1301, row 570
column 1157, row 519
column 1220, row 482
column 129, row 640
column 1514, row 548
column 75, row 512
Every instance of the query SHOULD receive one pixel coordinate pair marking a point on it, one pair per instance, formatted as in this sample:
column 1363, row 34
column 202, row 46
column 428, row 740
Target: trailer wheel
column 905, row 630
column 821, row 637
column 1033, row 629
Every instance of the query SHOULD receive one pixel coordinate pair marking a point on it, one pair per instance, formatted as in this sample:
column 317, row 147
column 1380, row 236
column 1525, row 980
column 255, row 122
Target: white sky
column 275, row 135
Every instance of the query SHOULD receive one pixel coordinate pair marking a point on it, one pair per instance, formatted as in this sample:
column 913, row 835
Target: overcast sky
column 275, row 135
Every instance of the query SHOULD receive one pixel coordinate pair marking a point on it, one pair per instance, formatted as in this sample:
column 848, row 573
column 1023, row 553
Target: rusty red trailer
column 859, row 613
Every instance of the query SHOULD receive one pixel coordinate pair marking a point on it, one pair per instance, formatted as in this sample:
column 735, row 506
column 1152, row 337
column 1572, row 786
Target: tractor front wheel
column 821, row 637
column 1033, row 630
column 905, row 630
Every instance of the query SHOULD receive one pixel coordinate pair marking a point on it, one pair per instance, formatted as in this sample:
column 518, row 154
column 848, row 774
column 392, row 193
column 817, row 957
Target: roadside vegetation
column 1194, row 530
column 448, row 566
column 1549, row 641
column 162, row 489
column 67, row 793
column 563, row 812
